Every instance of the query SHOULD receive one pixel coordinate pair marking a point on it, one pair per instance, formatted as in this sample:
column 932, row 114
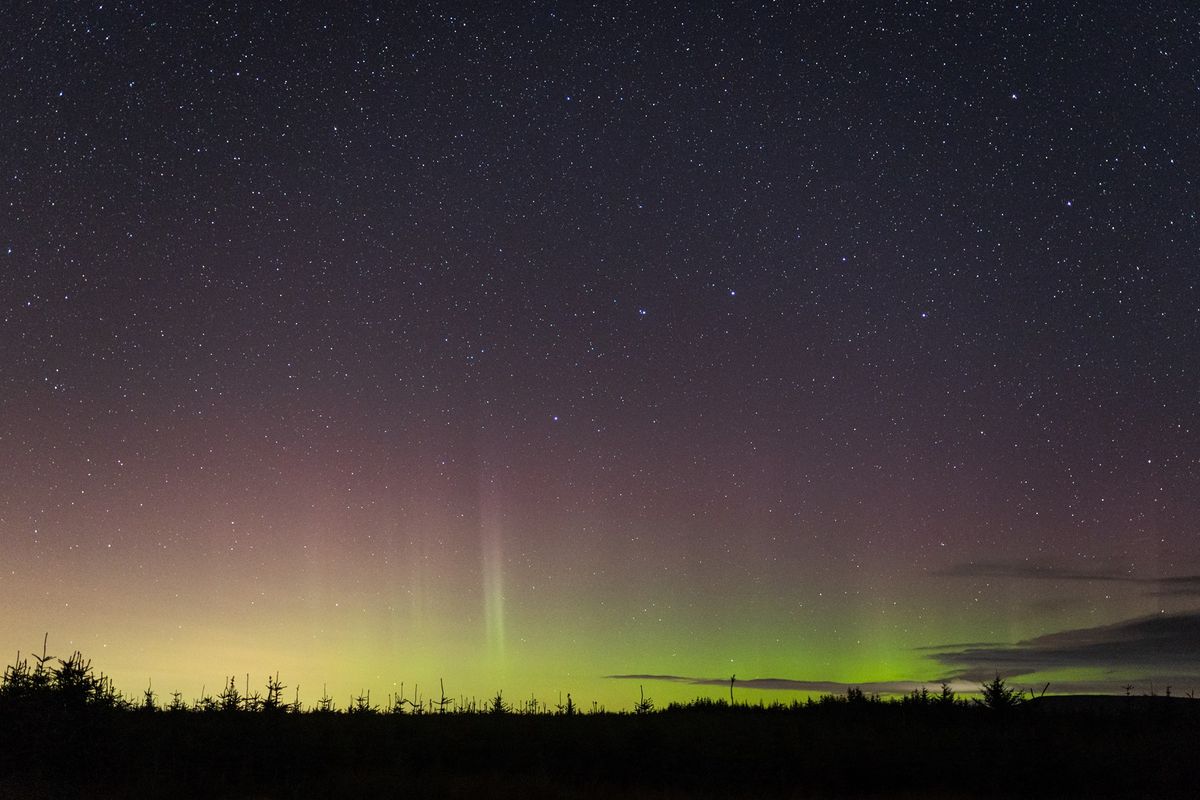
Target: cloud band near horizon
column 1162, row 648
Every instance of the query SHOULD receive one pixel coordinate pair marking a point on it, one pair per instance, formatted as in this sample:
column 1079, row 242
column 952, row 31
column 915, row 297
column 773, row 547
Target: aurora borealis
column 525, row 346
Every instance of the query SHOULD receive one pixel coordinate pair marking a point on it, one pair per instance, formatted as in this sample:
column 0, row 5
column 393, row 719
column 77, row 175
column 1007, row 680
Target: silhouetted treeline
column 65, row 731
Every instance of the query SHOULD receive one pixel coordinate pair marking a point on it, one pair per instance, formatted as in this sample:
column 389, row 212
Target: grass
column 64, row 731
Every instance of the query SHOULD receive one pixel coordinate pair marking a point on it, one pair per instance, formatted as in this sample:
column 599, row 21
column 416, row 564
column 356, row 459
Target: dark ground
column 1145, row 747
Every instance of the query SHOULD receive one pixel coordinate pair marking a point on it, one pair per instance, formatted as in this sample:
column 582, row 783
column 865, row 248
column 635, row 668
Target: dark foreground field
column 65, row 732
column 831, row 749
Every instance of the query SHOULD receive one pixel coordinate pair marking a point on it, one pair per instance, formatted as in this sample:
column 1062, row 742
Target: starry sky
column 534, row 345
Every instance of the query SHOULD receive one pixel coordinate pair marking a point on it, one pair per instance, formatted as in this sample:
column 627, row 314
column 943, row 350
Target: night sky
column 529, row 345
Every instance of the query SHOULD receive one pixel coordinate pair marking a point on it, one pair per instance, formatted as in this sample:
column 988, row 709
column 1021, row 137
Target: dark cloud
column 1180, row 585
column 1163, row 642
column 787, row 684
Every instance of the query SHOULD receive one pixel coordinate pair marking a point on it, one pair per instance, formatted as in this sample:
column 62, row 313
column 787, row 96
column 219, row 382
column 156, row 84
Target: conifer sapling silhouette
column 230, row 699
column 497, row 704
column 273, row 701
column 644, row 705
column 998, row 696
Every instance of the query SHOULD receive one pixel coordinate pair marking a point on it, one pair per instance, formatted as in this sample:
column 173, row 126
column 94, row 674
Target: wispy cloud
column 1027, row 570
column 788, row 684
column 958, row 646
column 1186, row 585
column 1177, row 585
